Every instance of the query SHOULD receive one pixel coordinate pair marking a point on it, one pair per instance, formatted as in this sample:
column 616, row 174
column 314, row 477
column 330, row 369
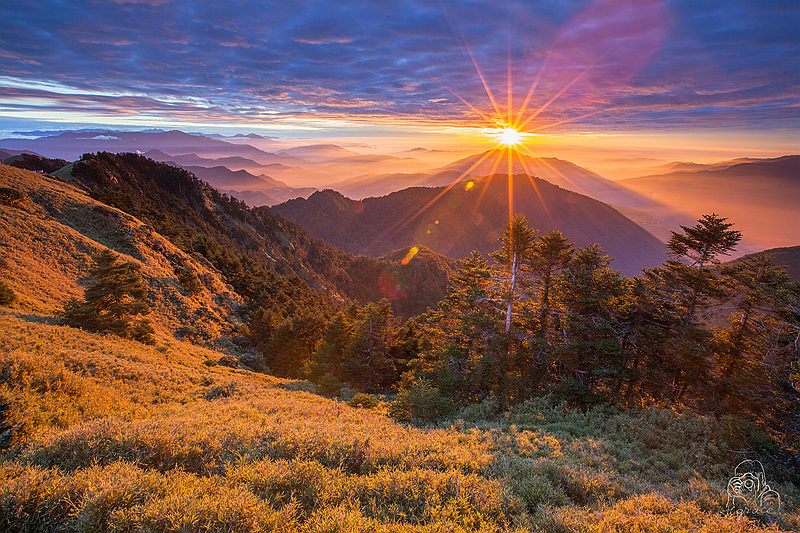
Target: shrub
column 364, row 401
column 421, row 402
column 220, row 391
column 329, row 386
column 6, row 427
column 7, row 296
column 189, row 281
column 11, row 197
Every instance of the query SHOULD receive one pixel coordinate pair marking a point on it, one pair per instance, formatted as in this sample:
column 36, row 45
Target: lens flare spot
column 410, row 255
column 469, row 185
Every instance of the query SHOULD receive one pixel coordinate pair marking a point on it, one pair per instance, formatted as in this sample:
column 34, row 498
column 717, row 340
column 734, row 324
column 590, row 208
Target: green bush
column 421, row 402
column 364, row 401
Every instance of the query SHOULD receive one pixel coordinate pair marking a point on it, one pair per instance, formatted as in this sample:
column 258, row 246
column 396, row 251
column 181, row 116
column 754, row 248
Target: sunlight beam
column 528, row 98
column 393, row 230
column 460, row 35
column 510, row 184
column 491, row 175
column 557, row 95
column 536, row 189
column 479, row 112
column 568, row 120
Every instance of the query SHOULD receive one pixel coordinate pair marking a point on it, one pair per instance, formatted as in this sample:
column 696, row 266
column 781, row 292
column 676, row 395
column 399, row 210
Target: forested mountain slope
column 470, row 216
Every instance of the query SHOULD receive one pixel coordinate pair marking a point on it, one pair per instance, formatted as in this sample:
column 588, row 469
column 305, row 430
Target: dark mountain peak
column 456, row 220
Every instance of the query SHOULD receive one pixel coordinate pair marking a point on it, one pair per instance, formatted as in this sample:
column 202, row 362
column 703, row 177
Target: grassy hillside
column 107, row 434
column 48, row 240
column 114, row 435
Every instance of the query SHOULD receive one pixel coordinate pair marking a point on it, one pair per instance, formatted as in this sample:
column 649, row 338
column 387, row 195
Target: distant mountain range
column 761, row 197
column 758, row 195
column 471, row 216
column 305, row 166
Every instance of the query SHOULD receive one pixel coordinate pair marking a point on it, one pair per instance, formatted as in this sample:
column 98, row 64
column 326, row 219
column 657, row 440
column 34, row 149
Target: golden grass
column 49, row 243
column 122, row 436
column 112, row 435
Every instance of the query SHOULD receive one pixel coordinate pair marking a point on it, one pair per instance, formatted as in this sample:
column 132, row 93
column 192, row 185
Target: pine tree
column 517, row 243
column 368, row 362
column 513, row 258
column 114, row 301
column 549, row 255
column 698, row 246
column 461, row 336
column 591, row 356
column 330, row 352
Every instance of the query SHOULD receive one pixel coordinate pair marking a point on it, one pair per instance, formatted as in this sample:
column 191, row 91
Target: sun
column 507, row 136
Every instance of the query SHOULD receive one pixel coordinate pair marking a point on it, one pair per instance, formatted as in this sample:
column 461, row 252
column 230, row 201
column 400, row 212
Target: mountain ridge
column 454, row 225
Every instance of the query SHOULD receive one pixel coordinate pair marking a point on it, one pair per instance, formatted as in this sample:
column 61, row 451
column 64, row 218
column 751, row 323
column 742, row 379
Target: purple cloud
column 676, row 61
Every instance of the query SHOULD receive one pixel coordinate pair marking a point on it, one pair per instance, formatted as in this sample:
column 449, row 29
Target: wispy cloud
column 675, row 62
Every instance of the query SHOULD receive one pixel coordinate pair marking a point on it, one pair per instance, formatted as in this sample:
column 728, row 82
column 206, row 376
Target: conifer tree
column 461, row 336
column 671, row 339
column 330, row 353
column 752, row 354
column 549, row 255
column 595, row 302
column 368, row 363
column 698, row 246
column 513, row 257
column 114, row 301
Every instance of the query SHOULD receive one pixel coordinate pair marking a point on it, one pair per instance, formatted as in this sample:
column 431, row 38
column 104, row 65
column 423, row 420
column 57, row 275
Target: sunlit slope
column 471, row 216
column 115, row 435
column 49, row 239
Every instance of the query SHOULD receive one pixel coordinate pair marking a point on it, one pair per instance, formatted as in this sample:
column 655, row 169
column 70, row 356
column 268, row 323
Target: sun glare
column 509, row 137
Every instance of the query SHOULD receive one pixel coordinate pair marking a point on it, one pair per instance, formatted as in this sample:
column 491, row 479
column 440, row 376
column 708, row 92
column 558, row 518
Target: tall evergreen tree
column 694, row 249
column 461, row 336
column 516, row 245
column 513, row 256
column 595, row 299
column 330, row 353
column 369, row 363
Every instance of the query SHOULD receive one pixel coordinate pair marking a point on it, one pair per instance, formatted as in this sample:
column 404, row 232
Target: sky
column 620, row 79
